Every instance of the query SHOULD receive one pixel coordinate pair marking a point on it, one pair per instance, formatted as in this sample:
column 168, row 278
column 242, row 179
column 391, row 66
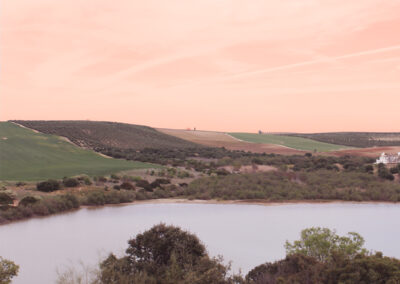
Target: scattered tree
column 8, row 270
column 321, row 243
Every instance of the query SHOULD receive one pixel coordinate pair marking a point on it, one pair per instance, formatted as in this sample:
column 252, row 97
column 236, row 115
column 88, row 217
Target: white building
column 389, row 159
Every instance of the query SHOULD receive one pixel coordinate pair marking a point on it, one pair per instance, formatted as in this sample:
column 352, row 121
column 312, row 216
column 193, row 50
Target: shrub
column 70, row 182
column 144, row 184
column 6, row 199
column 95, row 198
column 102, row 179
column 48, row 186
column 28, row 200
column 127, row 185
column 164, row 254
column 8, row 270
column 114, row 176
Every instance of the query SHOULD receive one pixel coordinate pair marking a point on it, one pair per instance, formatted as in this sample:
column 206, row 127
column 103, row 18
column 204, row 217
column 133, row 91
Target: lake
column 248, row 235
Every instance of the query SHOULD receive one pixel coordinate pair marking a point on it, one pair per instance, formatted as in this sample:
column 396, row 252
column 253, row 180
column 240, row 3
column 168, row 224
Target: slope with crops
column 101, row 134
column 298, row 143
column 355, row 139
column 27, row 155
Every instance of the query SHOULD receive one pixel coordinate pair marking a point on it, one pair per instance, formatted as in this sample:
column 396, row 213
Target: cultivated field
column 372, row 152
column 355, row 139
column 220, row 139
column 297, row 143
column 101, row 135
column 29, row 156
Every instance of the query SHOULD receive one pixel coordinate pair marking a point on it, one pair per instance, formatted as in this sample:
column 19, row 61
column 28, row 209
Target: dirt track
column 221, row 139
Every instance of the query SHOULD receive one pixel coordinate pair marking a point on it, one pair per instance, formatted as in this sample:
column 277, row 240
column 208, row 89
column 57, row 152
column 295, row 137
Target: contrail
column 311, row 62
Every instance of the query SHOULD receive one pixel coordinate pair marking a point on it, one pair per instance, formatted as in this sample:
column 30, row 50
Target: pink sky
column 298, row 65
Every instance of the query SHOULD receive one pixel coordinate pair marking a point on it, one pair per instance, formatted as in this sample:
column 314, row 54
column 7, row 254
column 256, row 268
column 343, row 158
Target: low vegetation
column 298, row 143
column 244, row 176
column 281, row 186
column 355, row 139
column 167, row 254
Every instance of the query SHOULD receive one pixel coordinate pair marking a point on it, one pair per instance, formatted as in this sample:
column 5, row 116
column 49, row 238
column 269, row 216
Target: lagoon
column 247, row 235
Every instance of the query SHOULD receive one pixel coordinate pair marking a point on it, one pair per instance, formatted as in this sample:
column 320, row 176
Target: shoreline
column 201, row 201
column 237, row 202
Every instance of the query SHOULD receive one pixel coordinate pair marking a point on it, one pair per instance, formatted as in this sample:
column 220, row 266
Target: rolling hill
column 297, row 143
column 222, row 139
column 98, row 134
column 355, row 139
column 29, row 156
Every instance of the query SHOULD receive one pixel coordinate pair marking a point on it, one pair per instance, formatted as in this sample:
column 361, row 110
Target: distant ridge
column 355, row 139
column 101, row 134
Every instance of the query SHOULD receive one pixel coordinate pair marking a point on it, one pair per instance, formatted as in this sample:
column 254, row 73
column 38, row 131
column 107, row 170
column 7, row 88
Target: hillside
column 355, row 139
column 221, row 139
column 98, row 135
column 297, row 143
column 26, row 155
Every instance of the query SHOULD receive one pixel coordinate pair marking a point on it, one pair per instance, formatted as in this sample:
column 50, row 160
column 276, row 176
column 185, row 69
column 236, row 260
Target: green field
column 29, row 156
column 288, row 141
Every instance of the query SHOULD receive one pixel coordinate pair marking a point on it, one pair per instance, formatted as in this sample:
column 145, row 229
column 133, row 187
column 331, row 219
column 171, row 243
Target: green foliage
column 298, row 268
column 384, row 173
column 6, row 199
column 301, row 185
column 29, row 156
column 70, row 182
column 127, row 185
column 8, row 270
column 164, row 254
column 288, row 141
column 295, row 268
column 28, row 200
column 322, row 243
column 48, row 186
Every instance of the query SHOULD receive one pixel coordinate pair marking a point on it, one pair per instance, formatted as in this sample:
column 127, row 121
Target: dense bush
column 127, row 185
column 303, row 185
column 70, row 182
column 303, row 269
column 144, row 184
column 164, row 254
column 167, row 254
column 8, row 270
column 6, row 198
column 28, row 200
column 48, row 186
column 384, row 173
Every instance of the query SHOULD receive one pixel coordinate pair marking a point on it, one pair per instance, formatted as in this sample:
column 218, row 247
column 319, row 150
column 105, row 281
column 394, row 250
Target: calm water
column 248, row 235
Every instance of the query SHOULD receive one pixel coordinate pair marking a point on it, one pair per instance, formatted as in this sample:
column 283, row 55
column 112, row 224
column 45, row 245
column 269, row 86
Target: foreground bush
column 167, row 254
column 164, row 254
column 8, row 270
